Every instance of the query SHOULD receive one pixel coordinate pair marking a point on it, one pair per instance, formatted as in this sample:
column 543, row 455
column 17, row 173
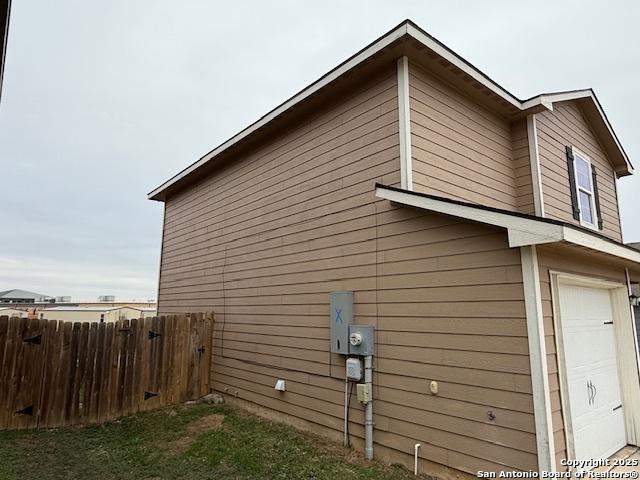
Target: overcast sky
column 103, row 101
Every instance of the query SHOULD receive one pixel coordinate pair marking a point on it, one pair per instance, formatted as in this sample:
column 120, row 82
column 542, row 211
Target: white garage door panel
column 592, row 372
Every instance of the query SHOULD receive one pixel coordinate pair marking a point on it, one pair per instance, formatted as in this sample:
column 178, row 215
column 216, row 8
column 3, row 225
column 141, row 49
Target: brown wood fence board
column 162, row 361
column 97, row 394
column 165, row 381
column 115, row 369
column 141, row 338
column 131, row 367
column 5, row 366
column 66, row 373
column 73, row 380
column 17, row 372
column 144, row 363
column 179, row 346
column 151, row 354
column 36, row 370
column 4, row 326
column 50, row 374
column 28, row 365
column 105, row 404
column 184, row 365
column 83, row 368
column 89, row 385
column 62, row 391
column 156, row 373
column 122, row 364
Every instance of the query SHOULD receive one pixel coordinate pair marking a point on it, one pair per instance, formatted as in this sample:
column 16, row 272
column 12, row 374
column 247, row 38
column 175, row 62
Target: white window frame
column 592, row 195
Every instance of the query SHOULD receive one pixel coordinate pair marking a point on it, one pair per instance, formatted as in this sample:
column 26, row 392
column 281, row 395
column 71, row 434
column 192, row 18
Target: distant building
column 17, row 296
column 94, row 314
column 12, row 312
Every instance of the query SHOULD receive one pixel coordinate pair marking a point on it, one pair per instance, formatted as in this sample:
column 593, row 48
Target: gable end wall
column 262, row 242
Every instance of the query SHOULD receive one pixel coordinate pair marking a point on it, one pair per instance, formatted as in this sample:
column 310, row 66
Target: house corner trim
column 404, row 118
column 538, row 359
column 534, row 162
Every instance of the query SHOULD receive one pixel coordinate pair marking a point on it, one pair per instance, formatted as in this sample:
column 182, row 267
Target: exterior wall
column 566, row 125
column 553, row 258
column 522, row 167
column 460, row 149
column 263, row 241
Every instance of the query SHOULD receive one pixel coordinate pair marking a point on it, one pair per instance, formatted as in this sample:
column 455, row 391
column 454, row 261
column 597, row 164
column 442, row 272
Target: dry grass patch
column 194, row 430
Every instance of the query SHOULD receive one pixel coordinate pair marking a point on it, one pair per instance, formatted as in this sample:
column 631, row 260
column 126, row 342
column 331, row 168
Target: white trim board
column 404, row 119
column 538, row 360
column 522, row 231
column 534, row 162
column 411, row 31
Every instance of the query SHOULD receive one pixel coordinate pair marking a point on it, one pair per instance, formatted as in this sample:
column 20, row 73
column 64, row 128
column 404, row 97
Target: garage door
column 594, row 399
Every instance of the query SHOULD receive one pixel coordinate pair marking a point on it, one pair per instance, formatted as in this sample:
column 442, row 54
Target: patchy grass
column 196, row 442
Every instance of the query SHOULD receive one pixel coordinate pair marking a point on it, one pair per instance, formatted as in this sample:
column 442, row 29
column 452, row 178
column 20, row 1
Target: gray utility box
column 341, row 316
column 361, row 341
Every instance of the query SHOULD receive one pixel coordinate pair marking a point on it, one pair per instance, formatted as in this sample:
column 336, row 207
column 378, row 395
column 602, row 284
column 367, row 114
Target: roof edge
column 522, row 229
column 410, row 29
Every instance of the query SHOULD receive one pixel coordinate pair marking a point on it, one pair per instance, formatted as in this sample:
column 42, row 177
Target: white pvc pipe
column 345, row 440
column 415, row 458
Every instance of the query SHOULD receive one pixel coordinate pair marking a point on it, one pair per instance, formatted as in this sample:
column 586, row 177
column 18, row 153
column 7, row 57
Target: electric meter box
column 361, row 341
column 341, row 316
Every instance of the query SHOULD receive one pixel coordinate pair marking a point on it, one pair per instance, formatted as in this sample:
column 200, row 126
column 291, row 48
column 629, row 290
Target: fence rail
column 56, row 373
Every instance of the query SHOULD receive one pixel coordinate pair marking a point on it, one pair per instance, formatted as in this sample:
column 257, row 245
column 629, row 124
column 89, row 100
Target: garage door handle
column 617, row 408
column 591, row 391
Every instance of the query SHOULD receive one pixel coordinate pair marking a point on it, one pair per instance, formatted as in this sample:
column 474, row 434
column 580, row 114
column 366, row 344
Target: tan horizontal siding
column 522, row 167
column 567, row 126
column 263, row 240
column 460, row 150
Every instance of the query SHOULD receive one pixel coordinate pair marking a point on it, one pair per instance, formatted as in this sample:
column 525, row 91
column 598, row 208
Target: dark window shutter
column 572, row 184
column 596, row 195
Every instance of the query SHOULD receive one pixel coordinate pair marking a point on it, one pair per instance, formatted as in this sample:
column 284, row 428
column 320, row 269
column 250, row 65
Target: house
column 5, row 8
column 95, row 314
column 17, row 296
column 40, row 301
column 12, row 312
column 479, row 234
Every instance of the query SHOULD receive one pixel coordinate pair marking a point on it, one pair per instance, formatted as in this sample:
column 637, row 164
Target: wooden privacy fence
column 56, row 373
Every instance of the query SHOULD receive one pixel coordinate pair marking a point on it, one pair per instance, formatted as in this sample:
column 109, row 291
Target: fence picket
column 96, row 389
column 5, row 366
column 52, row 364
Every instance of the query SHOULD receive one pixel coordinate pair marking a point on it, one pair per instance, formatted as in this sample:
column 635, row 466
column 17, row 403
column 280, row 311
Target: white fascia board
column 467, row 68
column 548, row 99
column 406, row 28
column 521, row 231
column 585, row 239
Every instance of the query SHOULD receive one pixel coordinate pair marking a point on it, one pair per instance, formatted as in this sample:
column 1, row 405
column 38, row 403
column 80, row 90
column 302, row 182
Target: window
column 585, row 189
